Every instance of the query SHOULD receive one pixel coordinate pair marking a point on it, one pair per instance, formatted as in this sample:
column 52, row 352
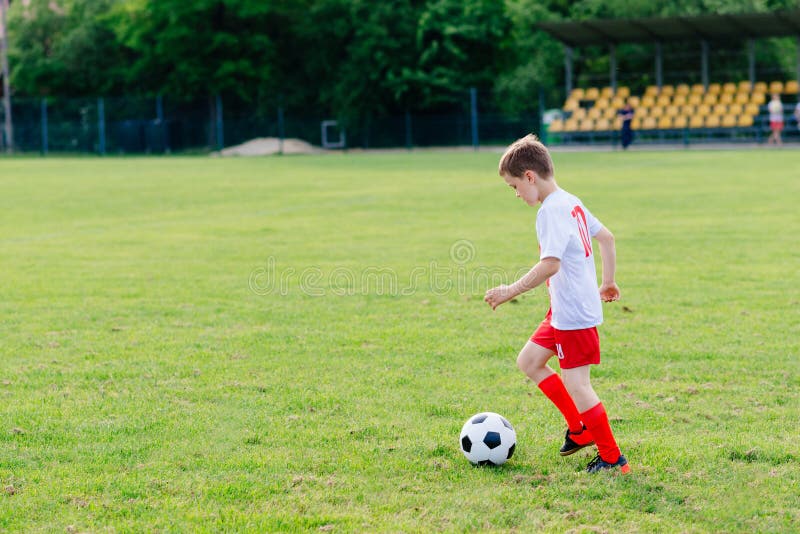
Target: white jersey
column 565, row 229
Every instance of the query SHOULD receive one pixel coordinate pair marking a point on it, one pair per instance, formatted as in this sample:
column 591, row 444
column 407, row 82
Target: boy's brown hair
column 527, row 153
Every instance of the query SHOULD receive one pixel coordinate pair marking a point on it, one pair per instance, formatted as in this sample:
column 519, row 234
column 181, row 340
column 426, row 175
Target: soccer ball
column 488, row 439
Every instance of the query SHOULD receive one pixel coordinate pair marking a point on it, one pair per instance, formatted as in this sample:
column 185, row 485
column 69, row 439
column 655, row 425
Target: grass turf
column 293, row 343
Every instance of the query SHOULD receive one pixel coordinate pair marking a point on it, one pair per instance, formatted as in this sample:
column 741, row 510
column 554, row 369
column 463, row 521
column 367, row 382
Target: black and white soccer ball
column 488, row 439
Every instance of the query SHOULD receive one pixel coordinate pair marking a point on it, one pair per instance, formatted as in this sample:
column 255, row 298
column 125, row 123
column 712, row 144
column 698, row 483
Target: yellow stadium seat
column 571, row 125
column 760, row 87
column 665, row 123
column 579, row 113
column 698, row 88
column 586, row 125
column 714, row 88
column 601, row 103
column 745, row 87
column 791, row 87
column 663, row 100
column 571, row 104
column 576, row 94
column 695, row 99
column 729, row 88
column 672, row 111
column 728, row 121
column 710, row 99
column 667, row 90
column 720, row 109
column 697, row 121
column 688, row 110
column 647, row 102
column 595, row 113
column 618, row 123
column 751, row 109
column 742, row 98
column 679, row 100
column 618, row 102
column 556, row 126
column 592, row 93
column 703, row 110
column 603, row 125
column 736, row 109
column 758, row 98
column 776, row 87
column 652, row 90
column 649, row 123
column 634, row 101
column 607, row 92
column 657, row 112
column 680, row 121
column 726, row 98
column 682, row 89
column 712, row 121
column 623, row 92
column 745, row 121
column 609, row 113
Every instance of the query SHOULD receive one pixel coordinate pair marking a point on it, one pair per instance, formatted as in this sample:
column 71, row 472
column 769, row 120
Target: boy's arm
column 609, row 291
column 540, row 272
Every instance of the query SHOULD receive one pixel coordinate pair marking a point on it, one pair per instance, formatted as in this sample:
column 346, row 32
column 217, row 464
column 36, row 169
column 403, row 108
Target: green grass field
column 293, row 344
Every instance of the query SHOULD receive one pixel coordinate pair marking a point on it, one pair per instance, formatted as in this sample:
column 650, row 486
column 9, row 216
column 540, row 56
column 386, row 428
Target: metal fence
column 163, row 125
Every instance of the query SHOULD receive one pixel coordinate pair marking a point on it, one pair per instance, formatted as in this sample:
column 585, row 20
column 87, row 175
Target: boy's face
column 525, row 187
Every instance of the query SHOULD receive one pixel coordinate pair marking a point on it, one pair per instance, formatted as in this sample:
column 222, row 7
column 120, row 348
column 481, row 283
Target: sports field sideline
column 293, row 344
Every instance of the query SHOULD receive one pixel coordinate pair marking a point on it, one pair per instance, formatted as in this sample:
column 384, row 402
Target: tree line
column 351, row 58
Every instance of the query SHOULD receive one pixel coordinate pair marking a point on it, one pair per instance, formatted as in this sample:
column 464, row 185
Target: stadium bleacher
column 720, row 106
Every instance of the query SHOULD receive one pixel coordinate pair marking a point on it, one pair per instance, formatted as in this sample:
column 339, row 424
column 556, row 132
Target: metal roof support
column 612, row 74
column 568, row 69
column 659, row 65
column 798, row 59
column 751, row 61
column 704, row 64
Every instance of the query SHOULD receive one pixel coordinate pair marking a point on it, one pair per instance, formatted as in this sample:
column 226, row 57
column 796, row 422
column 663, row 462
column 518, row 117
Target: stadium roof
column 712, row 27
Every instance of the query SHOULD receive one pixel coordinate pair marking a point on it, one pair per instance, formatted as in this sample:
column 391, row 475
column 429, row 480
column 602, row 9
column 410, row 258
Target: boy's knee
column 529, row 364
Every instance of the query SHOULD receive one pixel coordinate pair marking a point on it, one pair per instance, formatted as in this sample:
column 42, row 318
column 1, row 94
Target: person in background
column 775, row 108
column 626, row 134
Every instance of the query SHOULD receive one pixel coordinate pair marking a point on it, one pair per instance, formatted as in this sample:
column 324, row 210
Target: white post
column 9, row 128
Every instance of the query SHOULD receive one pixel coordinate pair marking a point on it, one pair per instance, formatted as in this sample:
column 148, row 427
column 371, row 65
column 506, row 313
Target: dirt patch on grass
column 265, row 146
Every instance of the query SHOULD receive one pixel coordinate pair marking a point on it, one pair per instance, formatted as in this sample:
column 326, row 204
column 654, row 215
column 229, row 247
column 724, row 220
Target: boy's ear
column 530, row 176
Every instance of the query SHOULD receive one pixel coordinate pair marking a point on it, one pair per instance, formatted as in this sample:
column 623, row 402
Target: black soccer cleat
column 598, row 464
column 570, row 447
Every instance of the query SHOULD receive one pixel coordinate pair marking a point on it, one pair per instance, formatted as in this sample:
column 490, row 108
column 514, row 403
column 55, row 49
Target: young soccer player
column 564, row 228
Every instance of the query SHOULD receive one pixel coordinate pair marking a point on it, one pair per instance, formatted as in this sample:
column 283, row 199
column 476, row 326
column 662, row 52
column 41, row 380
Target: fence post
column 408, row 130
column 219, row 123
column 473, row 104
column 101, row 126
column 280, row 130
column 542, row 132
column 45, row 142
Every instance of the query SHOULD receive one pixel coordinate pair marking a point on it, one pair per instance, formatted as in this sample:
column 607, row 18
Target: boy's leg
column 591, row 411
column 532, row 361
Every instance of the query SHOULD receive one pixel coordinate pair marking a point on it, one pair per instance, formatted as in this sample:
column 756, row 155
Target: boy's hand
column 609, row 292
column 498, row 295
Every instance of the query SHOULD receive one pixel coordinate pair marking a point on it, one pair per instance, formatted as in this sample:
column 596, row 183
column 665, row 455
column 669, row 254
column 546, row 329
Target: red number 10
column 583, row 229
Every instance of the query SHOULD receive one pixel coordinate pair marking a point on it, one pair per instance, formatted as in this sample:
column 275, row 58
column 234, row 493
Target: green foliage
column 350, row 59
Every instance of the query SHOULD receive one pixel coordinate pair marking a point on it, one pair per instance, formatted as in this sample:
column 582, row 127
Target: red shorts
column 575, row 348
column 776, row 126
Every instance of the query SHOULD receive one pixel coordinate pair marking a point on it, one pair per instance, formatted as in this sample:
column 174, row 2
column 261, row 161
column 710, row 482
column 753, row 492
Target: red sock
column 596, row 420
column 554, row 389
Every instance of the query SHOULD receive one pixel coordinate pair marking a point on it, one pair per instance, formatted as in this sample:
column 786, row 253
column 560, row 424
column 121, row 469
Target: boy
column 564, row 228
